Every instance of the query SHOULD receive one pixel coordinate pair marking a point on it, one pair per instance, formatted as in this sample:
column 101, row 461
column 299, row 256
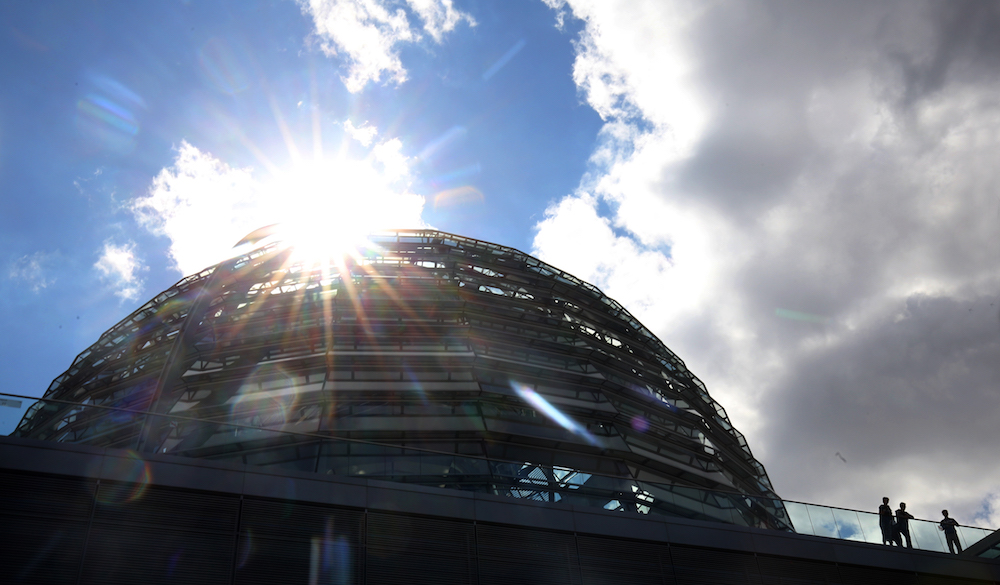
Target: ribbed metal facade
column 425, row 358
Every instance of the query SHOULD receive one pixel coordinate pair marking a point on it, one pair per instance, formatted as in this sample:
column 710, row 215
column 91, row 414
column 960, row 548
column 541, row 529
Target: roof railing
column 261, row 444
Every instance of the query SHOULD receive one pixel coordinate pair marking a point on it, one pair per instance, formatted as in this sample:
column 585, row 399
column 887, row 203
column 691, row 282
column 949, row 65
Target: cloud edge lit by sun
column 204, row 205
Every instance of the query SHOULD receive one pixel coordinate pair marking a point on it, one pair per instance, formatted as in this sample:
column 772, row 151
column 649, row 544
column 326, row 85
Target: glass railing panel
column 430, row 465
column 236, row 435
column 120, row 430
column 822, row 521
column 665, row 497
column 969, row 535
column 472, row 467
column 768, row 513
column 870, row 527
column 927, row 535
column 401, row 465
column 688, row 501
column 799, row 515
column 722, row 508
column 619, row 484
column 301, row 458
column 11, row 412
column 848, row 524
column 745, row 511
column 979, row 534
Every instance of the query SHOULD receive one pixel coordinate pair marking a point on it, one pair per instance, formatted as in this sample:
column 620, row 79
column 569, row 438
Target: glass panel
column 870, row 527
column 472, row 468
column 822, row 521
column 11, row 411
column 720, row 507
column 800, row 517
column 400, row 466
column 688, row 502
column 992, row 553
column 767, row 513
column 927, row 535
column 120, row 430
column 848, row 524
column 970, row 535
column 367, row 466
column 664, row 496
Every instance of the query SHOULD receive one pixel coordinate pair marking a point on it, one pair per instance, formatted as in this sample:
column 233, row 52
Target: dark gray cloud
column 911, row 399
column 760, row 63
column 753, row 153
column 841, row 222
column 963, row 47
column 886, row 379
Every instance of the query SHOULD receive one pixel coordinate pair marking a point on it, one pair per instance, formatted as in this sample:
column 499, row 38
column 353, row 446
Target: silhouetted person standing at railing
column 885, row 521
column 950, row 527
column 903, row 525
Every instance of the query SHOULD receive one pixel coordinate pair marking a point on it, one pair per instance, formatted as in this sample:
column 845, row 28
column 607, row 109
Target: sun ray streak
column 549, row 410
column 279, row 120
column 317, row 129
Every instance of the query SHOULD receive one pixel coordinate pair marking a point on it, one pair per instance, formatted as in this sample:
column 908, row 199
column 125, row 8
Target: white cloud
column 30, row 269
column 119, row 265
column 367, row 33
column 808, row 199
column 559, row 6
column 439, row 16
column 205, row 206
column 364, row 134
column 991, row 510
column 395, row 166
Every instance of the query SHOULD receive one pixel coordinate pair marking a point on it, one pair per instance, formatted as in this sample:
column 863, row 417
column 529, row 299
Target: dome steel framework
column 426, row 358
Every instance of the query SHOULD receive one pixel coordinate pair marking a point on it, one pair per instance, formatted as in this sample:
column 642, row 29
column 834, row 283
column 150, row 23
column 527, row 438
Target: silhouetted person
column 902, row 525
column 885, row 521
column 950, row 528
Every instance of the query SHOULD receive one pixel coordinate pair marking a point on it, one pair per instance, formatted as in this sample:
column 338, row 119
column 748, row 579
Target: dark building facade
column 424, row 358
column 83, row 514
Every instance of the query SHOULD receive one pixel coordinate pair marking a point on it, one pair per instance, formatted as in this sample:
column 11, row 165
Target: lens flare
column 418, row 388
column 133, row 471
column 246, row 549
column 640, row 424
column 458, row 196
column 545, row 407
column 268, row 399
column 799, row 316
column 330, row 558
column 442, row 143
column 108, row 114
column 503, row 60
column 221, row 67
column 173, row 562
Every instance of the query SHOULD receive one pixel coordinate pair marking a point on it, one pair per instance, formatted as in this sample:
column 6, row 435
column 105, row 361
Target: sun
column 326, row 209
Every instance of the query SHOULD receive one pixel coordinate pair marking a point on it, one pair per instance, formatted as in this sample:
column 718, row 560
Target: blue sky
column 799, row 198
column 99, row 101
